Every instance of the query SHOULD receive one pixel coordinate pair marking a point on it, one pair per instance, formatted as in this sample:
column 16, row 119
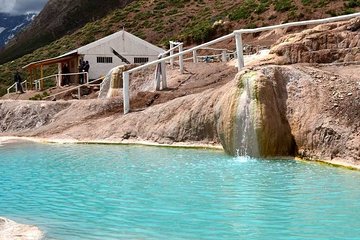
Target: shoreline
column 12, row 139
column 216, row 147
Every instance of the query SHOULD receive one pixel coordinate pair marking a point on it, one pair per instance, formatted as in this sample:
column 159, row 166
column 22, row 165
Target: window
column 104, row 59
column 141, row 60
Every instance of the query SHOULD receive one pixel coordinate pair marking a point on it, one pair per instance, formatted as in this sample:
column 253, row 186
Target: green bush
column 244, row 11
column 352, row 4
column 284, row 5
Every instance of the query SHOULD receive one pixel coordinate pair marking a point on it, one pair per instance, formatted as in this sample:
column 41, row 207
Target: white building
column 102, row 58
column 104, row 54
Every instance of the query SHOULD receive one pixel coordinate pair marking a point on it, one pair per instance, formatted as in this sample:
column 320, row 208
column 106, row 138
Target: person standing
column 81, row 70
column 86, row 68
column 66, row 70
column 18, row 80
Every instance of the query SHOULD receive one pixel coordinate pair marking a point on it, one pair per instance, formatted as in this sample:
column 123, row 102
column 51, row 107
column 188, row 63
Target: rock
column 10, row 230
column 323, row 44
column 349, row 94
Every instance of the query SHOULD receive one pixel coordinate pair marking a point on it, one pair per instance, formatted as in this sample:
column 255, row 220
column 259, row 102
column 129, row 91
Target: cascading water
column 245, row 135
column 105, row 85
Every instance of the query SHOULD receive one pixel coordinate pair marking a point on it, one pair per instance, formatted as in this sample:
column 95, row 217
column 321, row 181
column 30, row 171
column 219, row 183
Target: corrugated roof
column 49, row 61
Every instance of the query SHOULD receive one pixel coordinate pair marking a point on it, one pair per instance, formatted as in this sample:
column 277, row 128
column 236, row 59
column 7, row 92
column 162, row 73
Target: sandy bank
column 14, row 139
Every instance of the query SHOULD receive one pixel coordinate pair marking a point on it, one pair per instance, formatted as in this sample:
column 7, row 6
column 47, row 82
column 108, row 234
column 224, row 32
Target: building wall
column 124, row 44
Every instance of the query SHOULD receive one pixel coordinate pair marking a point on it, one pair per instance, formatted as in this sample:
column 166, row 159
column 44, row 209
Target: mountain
column 10, row 25
column 58, row 18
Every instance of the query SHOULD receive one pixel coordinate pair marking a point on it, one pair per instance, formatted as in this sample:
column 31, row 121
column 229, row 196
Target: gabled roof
column 75, row 52
column 118, row 35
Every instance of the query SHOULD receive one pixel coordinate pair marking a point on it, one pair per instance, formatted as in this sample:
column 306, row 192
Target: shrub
column 284, row 5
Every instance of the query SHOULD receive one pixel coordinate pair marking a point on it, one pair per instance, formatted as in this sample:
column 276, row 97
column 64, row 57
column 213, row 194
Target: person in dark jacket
column 66, row 70
column 18, row 80
column 86, row 68
column 81, row 70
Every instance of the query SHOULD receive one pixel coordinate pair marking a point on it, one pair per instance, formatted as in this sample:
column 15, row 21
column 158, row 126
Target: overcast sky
column 21, row 6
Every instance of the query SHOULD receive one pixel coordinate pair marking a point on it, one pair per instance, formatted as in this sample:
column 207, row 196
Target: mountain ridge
column 11, row 25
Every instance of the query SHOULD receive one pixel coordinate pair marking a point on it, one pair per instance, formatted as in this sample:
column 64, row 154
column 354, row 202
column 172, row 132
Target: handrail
column 76, row 87
column 239, row 49
column 301, row 23
column 9, row 88
column 170, row 50
column 15, row 85
column 180, row 53
column 37, row 81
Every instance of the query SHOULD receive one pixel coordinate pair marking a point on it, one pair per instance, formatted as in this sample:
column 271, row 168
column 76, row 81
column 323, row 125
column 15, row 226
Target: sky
column 17, row 7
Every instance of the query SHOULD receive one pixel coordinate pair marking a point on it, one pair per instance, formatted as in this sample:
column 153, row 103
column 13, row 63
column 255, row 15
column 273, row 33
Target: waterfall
column 105, row 85
column 245, row 139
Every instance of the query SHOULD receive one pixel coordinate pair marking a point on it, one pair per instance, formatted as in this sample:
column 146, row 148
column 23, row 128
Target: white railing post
column 157, row 76
column 239, row 51
column 126, row 98
column 171, row 53
column 181, row 58
column 224, row 56
column 163, row 75
column 79, row 93
column 195, row 56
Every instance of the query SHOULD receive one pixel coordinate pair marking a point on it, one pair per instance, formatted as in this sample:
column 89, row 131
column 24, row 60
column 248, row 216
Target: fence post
column 181, row 59
column 171, row 53
column 223, row 56
column 195, row 56
column 126, row 92
column 157, row 76
column 239, row 51
column 87, row 77
column 79, row 93
column 163, row 75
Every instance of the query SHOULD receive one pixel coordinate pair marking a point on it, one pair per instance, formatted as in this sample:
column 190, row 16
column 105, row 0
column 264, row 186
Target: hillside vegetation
column 191, row 21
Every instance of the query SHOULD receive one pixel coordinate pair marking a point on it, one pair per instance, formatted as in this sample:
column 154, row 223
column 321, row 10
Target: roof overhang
column 59, row 59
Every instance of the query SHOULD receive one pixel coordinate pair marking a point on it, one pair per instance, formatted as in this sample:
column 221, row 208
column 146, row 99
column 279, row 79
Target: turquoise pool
column 135, row 192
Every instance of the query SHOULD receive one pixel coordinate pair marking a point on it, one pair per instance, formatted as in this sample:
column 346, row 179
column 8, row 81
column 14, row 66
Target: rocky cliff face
column 333, row 42
column 267, row 111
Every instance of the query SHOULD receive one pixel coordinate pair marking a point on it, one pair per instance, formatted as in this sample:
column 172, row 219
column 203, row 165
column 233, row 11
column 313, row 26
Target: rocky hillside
column 10, row 25
column 283, row 104
column 58, row 18
column 192, row 21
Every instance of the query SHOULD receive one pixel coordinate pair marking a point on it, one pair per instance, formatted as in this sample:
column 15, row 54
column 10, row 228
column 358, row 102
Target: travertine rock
column 10, row 230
